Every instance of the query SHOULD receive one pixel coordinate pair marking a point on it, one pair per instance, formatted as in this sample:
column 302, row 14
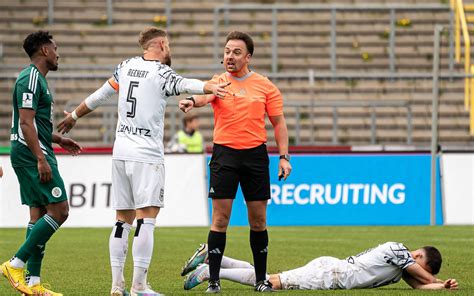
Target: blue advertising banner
column 349, row 190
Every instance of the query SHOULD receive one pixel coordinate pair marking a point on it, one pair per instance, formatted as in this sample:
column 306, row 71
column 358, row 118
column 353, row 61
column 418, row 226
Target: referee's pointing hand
column 219, row 89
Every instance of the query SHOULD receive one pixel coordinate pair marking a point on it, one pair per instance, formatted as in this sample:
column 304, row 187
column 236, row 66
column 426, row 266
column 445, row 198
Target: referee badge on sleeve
column 27, row 101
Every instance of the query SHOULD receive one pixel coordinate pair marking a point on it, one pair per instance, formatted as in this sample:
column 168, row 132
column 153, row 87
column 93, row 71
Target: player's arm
column 27, row 117
column 67, row 144
column 195, row 101
column 174, row 84
column 96, row 99
column 450, row 284
column 420, row 274
column 281, row 138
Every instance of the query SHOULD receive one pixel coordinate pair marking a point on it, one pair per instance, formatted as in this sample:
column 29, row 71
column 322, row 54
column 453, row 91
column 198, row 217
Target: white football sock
column 17, row 263
column 244, row 276
column 228, row 262
column 142, row 250
column 33, row 280
column 118, row 247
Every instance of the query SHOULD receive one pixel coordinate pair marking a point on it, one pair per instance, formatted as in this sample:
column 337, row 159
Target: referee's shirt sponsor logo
column 27, row 100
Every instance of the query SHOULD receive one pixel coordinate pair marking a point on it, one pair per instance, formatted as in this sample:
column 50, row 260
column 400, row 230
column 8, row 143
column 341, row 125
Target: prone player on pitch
column 383, row 265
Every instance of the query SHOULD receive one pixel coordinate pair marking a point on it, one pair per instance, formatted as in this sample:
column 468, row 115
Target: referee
column 240, row 154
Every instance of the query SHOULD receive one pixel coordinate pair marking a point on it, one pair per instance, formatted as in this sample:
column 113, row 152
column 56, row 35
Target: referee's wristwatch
column 285, row 157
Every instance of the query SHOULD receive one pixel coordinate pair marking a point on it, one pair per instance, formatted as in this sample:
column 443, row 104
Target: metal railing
column 461, row 26
column 309, row 107
column 110, row 12
column 109, row 118
column 334, row 10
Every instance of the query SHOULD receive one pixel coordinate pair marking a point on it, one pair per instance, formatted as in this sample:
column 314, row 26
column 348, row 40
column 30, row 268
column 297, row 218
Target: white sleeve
column 100, row 96
column 399, row 255
column 174, row 84
column 192, row 86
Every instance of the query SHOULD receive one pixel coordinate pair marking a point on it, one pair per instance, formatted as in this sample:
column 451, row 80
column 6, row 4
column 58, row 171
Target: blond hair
column 149, row 34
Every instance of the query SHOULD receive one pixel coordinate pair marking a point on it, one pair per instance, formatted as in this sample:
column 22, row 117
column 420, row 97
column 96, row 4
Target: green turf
column 77, row 261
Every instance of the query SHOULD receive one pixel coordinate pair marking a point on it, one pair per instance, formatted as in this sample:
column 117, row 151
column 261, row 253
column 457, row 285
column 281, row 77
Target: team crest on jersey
column 27, row 100
column 56, row 192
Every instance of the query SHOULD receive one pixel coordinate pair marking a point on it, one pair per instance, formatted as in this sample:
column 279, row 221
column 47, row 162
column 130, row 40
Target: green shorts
column 36, row 194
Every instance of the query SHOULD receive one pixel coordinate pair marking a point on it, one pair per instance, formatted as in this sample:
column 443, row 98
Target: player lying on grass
column 383, row 265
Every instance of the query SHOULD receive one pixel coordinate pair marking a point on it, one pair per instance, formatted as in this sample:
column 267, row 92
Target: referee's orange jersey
column 239, row 118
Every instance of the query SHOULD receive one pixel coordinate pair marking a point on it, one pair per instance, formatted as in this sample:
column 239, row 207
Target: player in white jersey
column 144, row 84
column 383, row 265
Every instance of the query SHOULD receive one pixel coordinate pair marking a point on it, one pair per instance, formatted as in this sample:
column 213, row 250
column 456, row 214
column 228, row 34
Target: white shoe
column 147, row 292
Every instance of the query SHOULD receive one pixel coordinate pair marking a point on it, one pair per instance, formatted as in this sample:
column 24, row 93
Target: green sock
column 34, row 263
column 37, row 238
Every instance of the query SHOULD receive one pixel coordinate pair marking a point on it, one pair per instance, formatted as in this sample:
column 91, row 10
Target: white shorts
column 323, row 273
column 137, row 185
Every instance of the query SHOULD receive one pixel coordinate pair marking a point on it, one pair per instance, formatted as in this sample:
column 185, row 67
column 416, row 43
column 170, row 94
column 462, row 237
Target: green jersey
column 31, row 92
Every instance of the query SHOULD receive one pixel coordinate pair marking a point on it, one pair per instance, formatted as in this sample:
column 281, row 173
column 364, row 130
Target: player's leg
column 34, row 263
column 56, row 214
column 255, row 185
column 257, row 213
column 40, row 233
column 202, row 256
column 245, row 276
column 148, row 182
column 118, row 248
column 229, row 263
column 216, row 240
column 142, row 248
column 52, row 195
column 223, row 184
column 122, row 202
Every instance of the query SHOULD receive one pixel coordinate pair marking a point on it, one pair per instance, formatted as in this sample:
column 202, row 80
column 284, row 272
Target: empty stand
column 89, row 48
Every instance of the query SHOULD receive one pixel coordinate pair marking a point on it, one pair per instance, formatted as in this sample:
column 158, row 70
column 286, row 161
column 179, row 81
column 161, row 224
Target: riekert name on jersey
column 337, row 194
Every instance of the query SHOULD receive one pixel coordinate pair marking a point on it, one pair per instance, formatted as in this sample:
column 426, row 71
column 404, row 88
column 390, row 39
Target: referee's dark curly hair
column 35, row 41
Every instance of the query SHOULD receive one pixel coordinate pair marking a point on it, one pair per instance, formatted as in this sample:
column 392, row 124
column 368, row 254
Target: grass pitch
column 77, row 260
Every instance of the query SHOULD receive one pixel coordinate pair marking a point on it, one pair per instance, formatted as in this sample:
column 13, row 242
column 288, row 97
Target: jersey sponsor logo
column 211, row 190
column 27, row 100
column 56, row 192
column 330, row 194
column 139, row 131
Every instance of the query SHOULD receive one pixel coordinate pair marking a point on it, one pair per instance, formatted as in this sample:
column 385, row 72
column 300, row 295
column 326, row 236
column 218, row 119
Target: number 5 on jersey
column 132, row 99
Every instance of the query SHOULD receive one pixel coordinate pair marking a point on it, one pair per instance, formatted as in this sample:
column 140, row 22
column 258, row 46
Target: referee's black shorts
column 249, row 167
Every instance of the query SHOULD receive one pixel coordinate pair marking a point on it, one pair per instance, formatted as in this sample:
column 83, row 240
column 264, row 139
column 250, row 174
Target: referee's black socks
column 216, row 246
column 259, row 245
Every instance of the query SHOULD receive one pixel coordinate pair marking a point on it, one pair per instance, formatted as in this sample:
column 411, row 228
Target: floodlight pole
column 434, row 122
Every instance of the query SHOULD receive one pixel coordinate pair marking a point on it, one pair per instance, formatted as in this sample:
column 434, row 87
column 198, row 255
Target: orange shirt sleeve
column 274, row 105
column 113, row 83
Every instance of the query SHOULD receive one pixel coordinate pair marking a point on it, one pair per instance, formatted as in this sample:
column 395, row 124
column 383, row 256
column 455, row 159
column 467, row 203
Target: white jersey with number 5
column 144, row 88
